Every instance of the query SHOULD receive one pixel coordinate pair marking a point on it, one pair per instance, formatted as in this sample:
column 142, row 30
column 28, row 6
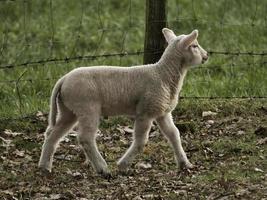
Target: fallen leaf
column 144, row 165
column 28, row 157
column 120, row 129
column 15, row 163
column 55, row 196
column 149, row 196
column 64, row 157
column 5, row 142
column 181, row 192
column 10, row 133
column 45, row 189
column 262, row 141
column 242, row 192
column 74, row 174
column 210, row 122
column 19, row 153
column 8, row 192
column 127, row 129
column 40, row 115
column 66, row 140
column 77, row 174
column 208, row 113
column 137, row 198
column 258, row 170
column 240, row 132
column 73, row 133
column 154, row 134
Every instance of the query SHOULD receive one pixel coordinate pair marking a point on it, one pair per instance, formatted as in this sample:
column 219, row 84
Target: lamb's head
column 186, row 47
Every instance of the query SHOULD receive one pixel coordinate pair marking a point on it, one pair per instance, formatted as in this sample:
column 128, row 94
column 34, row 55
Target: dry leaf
column 73, row 133
column 258, row 170
column 242, row 192
column 210, row 122
column 45, row 189
column 240, row 132
column 154, row 134
column 5, row 143
column 137, row 198
column 10, row 133
column 262, row 141
column 66, row 140
column 19, row 153
column 144, row 165
column 127, row 129
column 8, row 192
column 208, row 113
column 180, row 192
column 40, row 116
column 55, row 196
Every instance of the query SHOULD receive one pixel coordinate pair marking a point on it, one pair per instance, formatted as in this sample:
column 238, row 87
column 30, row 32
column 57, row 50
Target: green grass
column 32, row 31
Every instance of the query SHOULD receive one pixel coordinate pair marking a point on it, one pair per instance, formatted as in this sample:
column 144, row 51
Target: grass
column 40, row 30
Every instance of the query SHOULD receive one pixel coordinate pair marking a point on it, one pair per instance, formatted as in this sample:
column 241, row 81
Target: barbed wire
column 211, row 67
column 211, row 23
column 239, row 53
column 93, row 57
column 68, row 59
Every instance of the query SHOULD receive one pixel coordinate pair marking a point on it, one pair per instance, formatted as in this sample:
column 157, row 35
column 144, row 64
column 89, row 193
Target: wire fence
column 41, row 41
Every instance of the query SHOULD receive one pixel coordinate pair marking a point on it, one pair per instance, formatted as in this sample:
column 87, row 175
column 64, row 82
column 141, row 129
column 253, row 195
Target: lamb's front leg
column 141, row 133
column 172, row 133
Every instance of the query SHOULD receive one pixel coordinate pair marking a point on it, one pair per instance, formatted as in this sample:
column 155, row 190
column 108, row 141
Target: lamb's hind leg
column 88, row 126
column 172, row 133
column 141, row 133
column 53, row 134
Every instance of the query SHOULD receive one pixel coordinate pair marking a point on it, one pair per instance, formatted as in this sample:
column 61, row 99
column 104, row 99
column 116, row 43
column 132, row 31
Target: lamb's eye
column 195, row 46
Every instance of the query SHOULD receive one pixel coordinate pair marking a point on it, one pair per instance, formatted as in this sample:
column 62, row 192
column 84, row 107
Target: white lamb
column 147, row 92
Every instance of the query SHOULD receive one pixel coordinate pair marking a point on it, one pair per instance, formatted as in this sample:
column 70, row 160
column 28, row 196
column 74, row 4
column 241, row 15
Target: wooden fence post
column 155, row 21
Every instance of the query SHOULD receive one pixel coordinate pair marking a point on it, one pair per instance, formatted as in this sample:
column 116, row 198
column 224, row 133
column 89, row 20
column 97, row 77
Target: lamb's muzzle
column 205, row 58
column 147, row 92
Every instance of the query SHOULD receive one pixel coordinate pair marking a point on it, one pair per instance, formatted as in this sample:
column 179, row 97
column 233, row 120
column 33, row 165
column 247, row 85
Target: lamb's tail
column 53, row 102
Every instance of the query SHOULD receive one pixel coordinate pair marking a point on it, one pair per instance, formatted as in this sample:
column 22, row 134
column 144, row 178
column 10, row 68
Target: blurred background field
column 42, row 40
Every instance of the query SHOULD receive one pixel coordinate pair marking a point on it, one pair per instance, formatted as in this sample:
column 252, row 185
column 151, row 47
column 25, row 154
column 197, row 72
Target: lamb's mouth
column 204, row 60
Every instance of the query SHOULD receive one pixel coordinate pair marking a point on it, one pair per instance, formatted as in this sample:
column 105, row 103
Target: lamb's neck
column 172, row 72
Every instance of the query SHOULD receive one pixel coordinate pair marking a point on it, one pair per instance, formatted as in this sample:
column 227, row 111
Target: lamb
column 147, row 92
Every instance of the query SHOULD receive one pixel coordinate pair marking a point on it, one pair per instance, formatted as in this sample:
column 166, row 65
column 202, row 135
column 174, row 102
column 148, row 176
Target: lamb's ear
column 189, row 38
column 168, row 34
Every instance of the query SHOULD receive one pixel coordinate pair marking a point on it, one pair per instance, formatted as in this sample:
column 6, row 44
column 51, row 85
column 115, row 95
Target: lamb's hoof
column 122, row 166
column 105, row 174
column 185, row 165
column 123, row 169
column 127, row 172
column 44, row 171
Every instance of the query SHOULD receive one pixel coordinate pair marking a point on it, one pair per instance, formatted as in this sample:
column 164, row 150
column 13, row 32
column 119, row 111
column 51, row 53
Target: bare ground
column 227, row 149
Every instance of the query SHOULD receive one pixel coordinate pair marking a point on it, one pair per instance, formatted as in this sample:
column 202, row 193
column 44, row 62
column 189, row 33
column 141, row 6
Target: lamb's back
column 117, row 89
